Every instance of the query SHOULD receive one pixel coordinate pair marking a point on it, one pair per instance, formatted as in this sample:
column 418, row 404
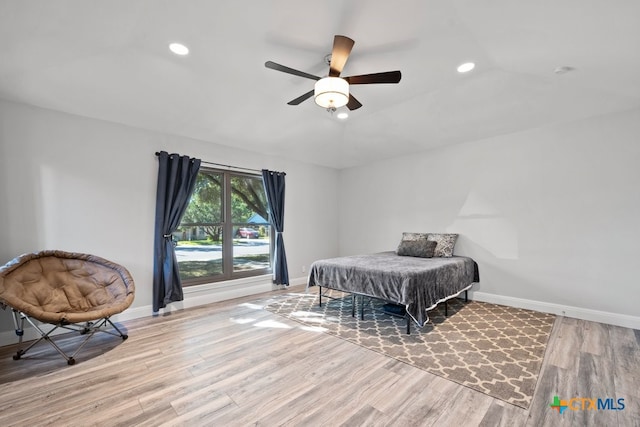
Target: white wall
column 550, row 215
column 83, row 185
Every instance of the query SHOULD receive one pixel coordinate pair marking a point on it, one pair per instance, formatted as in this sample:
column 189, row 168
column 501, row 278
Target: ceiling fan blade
column 301, row 98
column 353, row 103
column 278, row 67
column 385, row 77
column 341, row 49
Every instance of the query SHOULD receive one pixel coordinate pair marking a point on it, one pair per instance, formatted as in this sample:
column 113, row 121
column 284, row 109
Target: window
column 224, row 233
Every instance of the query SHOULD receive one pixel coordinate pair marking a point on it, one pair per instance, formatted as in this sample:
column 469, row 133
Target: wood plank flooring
column 235, row 364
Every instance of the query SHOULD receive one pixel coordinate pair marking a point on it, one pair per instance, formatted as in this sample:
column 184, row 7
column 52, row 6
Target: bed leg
column 466, row 296
column 361, row 307
column 446, row 314
column 408, row 324
column 319, row 296
column 353, row 305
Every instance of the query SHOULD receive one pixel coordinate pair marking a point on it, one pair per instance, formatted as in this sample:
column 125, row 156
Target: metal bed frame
column 354, row 300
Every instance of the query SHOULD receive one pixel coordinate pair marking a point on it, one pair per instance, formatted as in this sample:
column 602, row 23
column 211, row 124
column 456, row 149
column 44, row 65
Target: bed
column 416, row 283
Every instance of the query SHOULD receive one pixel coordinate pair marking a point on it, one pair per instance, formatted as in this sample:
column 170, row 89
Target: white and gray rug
column 494, row 349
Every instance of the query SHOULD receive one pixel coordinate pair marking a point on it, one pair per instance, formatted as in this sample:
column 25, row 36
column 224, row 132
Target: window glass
column 248, row 200
column 224, row 233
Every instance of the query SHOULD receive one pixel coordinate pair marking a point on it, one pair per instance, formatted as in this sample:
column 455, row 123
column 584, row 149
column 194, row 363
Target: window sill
column 265, row 279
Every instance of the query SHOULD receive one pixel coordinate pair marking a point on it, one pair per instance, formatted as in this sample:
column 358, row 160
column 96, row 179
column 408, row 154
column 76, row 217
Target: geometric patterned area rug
column 494, row 349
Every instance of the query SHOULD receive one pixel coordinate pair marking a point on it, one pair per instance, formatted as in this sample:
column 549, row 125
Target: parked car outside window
column 247, row 233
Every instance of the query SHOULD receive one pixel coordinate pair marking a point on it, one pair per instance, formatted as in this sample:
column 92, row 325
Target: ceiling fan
column 332, row 92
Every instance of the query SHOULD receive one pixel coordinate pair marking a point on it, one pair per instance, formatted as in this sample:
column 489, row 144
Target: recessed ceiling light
column 342, row 115
column 466, row 67
column 178, row 48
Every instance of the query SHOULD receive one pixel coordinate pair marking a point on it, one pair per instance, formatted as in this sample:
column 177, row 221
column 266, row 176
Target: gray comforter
column 417, row 283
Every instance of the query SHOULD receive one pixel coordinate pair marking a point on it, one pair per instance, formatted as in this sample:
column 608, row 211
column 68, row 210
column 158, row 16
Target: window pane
column 251, row 248
column 248, row 200
column 205, row 205
column 199, row 251
column 228, row 204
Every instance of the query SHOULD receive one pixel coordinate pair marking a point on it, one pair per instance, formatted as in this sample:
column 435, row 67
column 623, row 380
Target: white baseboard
column 194, row 296
column 207, row 294
column 616, row 319
column 298, row 281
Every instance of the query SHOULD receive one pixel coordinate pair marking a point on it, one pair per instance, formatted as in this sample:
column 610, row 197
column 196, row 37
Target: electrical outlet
column 304, row 269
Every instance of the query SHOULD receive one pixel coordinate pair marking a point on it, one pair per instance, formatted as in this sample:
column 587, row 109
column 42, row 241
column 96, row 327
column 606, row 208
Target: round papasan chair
column 73, row 291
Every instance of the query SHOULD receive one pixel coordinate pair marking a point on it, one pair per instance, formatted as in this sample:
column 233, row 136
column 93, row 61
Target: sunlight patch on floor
column 272, row 324
column 313, row 328
column 306, row 314
column 242, row 320
column 249, row 305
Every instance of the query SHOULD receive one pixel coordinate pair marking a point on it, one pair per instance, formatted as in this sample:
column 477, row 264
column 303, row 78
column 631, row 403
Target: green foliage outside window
column 208, row 220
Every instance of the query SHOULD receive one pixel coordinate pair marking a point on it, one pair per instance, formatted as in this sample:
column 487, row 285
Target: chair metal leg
column 19, row 325
column 88, row 329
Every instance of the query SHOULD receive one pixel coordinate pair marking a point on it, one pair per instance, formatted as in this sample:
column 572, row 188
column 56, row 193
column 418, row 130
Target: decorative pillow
column 419, row 248
column 414, row 236
column 445, row 244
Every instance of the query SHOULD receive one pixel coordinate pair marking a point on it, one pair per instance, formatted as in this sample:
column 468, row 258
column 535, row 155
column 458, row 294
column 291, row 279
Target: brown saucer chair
column 73, row 291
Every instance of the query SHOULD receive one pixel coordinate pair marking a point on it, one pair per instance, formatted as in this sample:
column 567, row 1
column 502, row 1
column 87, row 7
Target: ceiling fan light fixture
column 331, row 92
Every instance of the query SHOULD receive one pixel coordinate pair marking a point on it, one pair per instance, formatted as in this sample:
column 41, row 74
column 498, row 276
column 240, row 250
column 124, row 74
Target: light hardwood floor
column 234, row 363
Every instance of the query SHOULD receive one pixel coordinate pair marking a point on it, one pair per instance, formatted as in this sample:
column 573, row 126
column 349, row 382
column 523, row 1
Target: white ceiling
column 110, row 60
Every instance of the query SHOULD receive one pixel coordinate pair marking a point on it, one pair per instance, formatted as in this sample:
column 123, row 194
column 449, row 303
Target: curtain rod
column 226, row 166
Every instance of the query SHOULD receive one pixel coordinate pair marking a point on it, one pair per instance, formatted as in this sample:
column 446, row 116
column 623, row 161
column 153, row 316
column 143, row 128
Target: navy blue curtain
column 176, row 179
column 274, row 188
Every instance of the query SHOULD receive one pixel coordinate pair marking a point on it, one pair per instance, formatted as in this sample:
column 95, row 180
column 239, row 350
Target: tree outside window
column 224, row 233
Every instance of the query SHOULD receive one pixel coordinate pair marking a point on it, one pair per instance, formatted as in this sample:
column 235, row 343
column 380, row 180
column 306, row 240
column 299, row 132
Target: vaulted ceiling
column 110, row 60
